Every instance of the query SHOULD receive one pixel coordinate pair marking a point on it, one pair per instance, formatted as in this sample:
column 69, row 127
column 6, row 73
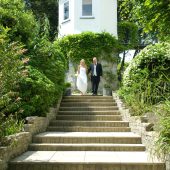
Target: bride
column 82, row 77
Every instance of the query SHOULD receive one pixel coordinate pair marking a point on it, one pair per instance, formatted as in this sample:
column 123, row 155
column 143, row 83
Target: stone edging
column 140, row 127
column 22, row 140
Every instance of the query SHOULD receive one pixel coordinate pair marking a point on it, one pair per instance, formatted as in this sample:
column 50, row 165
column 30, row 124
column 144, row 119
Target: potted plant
column 109, row 79
column 67, row 89
column 107, row 90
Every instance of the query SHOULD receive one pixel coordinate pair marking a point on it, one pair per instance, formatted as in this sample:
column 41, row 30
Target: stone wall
column 142, row 127
column 21, row 141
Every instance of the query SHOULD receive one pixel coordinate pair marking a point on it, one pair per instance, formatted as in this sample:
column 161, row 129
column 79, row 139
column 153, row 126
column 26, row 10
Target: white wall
column 108, row 16
column 66, row 27
column 104, row 18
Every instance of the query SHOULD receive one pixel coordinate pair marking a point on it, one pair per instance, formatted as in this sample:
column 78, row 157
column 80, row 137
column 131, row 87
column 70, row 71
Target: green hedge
column 146, row 80
column 87, row 45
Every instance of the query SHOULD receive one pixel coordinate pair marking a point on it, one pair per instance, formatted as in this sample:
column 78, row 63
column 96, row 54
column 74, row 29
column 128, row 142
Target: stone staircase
column 88, row 134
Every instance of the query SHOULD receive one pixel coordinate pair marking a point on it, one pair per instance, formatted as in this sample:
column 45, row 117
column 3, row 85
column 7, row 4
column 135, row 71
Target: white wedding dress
column 82, row 80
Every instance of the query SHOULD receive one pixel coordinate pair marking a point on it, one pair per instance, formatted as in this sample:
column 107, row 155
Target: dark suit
column 95, row 79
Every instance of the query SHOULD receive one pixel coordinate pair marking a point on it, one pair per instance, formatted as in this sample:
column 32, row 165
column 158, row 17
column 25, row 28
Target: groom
column 96, row 71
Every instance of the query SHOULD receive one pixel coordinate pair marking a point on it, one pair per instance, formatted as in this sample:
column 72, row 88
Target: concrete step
column 90, row 123
column 89, row 117
column 85, row 147
column 90, row 100
column 87, row 97
column 87, row 129
column 110, row 112
column 88, row 108
column 85, row 160
column 85, row 104
column 88, row 137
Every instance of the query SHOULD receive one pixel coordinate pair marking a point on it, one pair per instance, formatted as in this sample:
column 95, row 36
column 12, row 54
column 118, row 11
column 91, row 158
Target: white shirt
column 95, row 73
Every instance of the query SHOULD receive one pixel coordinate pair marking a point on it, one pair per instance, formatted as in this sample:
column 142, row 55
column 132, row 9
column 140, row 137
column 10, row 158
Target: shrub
column 9, row 125
column 29, row 82
column 146, row 86
column 149, row 73
column 46, row 57
column 21, row 22
column 10, row 73
column 37, row 93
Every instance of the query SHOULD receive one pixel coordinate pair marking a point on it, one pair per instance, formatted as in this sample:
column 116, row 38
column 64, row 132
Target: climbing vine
column 87, row 45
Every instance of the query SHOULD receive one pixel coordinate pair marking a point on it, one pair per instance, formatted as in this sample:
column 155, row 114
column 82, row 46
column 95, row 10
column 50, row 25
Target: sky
column 129, row 55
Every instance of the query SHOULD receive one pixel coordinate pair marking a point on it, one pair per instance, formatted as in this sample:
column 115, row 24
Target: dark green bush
column 46, row 57
column 10, row 73
column 32, row 69
column 37, row 93
column 21, row 22
column 148, row 74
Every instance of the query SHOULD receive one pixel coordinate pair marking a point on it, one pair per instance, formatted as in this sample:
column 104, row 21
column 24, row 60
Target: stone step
column 85, row 104
column 89, row 117
column 88, row 100
column 110, row 112
column 85, row 147
column 85, row 160
column 89, row 108
column 90, row 123
column 87, row 129
column 88, row 137
column 87, row 97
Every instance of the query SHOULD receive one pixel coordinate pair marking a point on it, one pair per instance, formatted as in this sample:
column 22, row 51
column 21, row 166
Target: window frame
column 86, row 16
column 65, row 2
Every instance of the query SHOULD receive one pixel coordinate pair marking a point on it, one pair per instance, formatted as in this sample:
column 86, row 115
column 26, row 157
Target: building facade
column 77, row 16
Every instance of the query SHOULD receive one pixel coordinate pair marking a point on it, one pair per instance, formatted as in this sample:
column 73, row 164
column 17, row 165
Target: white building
column 76, row 16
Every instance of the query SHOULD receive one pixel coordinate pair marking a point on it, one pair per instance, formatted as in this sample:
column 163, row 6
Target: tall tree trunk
column 122, row 65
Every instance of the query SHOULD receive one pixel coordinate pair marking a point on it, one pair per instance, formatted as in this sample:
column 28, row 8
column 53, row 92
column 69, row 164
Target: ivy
column 88, row 45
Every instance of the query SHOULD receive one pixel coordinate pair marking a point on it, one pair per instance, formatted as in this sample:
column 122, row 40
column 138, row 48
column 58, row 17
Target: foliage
column 46, row 57
column 87, row 45
column 128, row 34
column 154, row 59
column 163, row 141
column 32, row 68
column 150, row 16
column 67, row 85
column 37, row 93
column 110, row 78
column 21, row 22
column 146, row 79
column 9, row 125
column 10, row 73
column 146, row 87
column 46, row 8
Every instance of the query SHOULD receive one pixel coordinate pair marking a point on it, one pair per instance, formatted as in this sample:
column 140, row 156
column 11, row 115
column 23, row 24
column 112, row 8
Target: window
column 86, row 7
column 66, row 10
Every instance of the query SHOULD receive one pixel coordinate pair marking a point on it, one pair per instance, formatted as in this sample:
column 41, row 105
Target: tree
column 46, row 8
column 152, row 16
